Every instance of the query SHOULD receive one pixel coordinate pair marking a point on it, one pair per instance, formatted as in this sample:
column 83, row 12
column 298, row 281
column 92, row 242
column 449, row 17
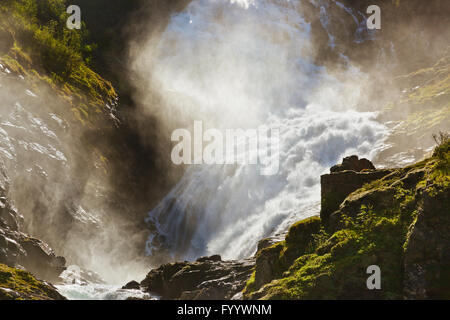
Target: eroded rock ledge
column 18, row 249
column 344, row 179
column 399, row 223
column 208, row 278
column 396, row 219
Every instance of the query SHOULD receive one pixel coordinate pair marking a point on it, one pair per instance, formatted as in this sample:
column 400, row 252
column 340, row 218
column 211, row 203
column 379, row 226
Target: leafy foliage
column 44, row 45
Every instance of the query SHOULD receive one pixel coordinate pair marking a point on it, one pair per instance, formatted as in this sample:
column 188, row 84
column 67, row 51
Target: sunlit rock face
column 36, row 147
column 58, row 175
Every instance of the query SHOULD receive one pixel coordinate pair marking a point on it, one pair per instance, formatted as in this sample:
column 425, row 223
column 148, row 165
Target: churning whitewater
column 242, row 64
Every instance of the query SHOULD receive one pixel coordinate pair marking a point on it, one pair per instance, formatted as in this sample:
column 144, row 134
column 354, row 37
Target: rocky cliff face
column 399, row 223
column 345, row 178
column 20, row 250
column 396, row 219
column 391, row 217
column 406, row 26
column 411, row 90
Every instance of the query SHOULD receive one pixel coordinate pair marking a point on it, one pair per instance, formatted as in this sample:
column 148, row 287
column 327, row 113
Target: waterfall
column 242, row 64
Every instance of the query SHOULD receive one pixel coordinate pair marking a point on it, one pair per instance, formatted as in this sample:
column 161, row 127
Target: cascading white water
column 244, row 64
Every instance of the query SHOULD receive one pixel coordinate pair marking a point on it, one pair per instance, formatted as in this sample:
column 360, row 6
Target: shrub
column 40, row 33
column 442, row 140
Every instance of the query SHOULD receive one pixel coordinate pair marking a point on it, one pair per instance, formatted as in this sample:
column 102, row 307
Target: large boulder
column 132, row 285
column 273, row 260
column 205, row 279
column 337, row 186
column 268, row 265
column 353, row 163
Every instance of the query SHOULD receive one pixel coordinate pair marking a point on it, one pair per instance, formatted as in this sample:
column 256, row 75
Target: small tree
column 441, row 138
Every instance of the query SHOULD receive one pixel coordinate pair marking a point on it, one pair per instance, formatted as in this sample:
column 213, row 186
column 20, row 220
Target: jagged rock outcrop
column 17, row 249
column 427, row 252
column 132, row 285
column 345, row 178
column 208, row 278
column 399, row 223
column 273, row 260
column 353, row 163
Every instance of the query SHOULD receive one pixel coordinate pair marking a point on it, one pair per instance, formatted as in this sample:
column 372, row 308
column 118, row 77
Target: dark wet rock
column 135, row 299
column 207, row 278
column 268, row 264
column 381, row 197
column 213, row 258
column 20, row 250
column 132, row 285
column 399, row 223
column 273, row 260
column 353, row 163
column 427, row 254
column 335, row 187
column 6, row 41
column 41, row 259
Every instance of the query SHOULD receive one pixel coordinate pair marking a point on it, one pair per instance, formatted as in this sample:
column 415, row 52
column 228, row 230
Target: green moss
column 330, row 202
column 334, row 265
column 251, row 284
column 44, row 49
column 299, row 234
column 20, row 284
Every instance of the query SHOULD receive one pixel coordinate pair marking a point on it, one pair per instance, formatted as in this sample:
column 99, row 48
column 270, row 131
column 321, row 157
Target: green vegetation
column 35, row 42
column 332, row 264
column 20, row 284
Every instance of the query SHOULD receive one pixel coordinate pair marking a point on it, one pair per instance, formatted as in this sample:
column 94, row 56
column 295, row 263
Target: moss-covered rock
column 399, row 223
column 427, row 249
column 269, row 265
column 36, row 44
column 273, row 261
column 16, row 284
column 335, row 187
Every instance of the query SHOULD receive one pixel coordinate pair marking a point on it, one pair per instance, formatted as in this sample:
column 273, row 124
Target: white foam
column 237, row 66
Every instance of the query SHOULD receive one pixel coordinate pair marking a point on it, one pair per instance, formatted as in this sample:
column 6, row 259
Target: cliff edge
column 399, row 222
